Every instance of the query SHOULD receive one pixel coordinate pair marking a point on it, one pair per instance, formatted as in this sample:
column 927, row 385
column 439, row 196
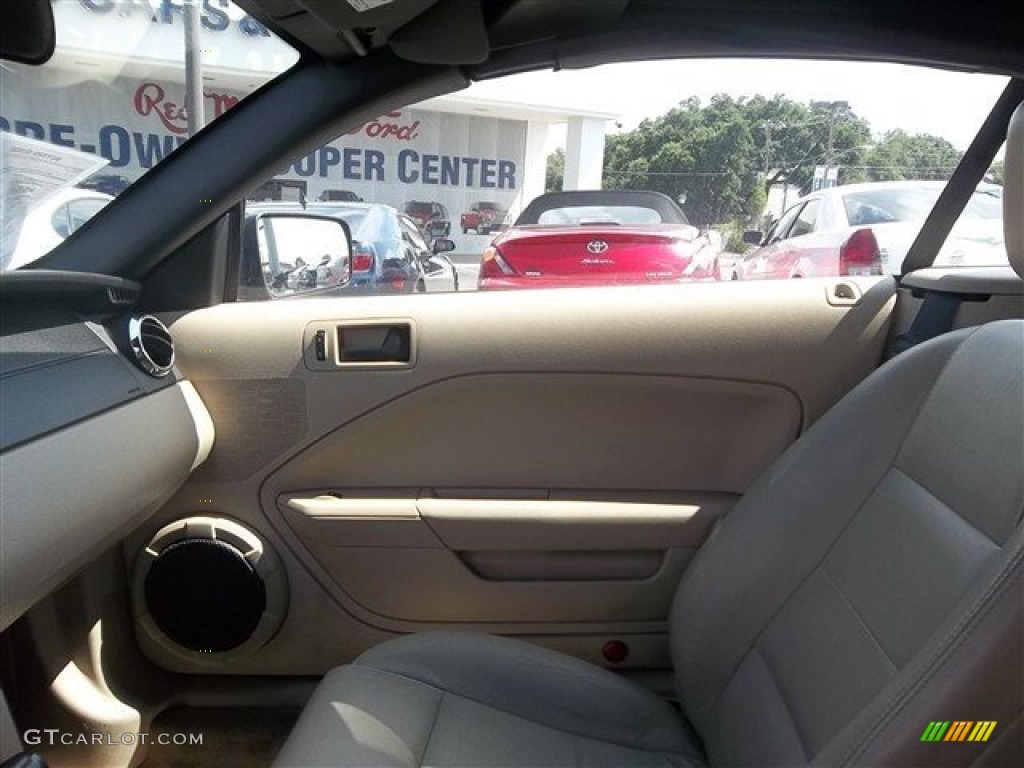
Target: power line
column 667, row 173
column 899, row 168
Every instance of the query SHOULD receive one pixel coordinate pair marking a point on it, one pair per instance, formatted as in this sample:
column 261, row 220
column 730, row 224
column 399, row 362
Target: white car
column 868, row 229
column 50, row 222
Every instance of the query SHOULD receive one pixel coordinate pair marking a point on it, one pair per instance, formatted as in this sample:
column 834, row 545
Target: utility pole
column 834, row 107
column 193, row 68
column 768, row 155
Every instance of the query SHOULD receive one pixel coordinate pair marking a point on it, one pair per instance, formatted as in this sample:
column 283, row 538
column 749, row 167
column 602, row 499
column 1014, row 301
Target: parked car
column 287, row 190
column 339, row 196
column 431, row 217
column 483, row 218
column 598, row 237
column 108, row 183
column 389, row 253
column 867, row 229
column 48, row 223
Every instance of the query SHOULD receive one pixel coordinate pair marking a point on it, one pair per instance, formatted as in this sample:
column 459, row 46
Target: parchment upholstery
column 870, row 582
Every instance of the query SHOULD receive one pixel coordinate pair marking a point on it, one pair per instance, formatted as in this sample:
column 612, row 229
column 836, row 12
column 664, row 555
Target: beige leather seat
column 871, row 582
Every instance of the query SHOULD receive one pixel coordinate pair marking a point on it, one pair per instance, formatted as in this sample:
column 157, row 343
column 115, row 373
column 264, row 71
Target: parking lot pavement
column 468, row 274
column 727, row 263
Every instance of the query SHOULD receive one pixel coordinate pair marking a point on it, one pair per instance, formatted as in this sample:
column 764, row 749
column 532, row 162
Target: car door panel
column 616, row 564
column 555, row 490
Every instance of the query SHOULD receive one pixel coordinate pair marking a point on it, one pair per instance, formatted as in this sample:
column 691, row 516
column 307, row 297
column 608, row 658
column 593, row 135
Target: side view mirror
column 300, row 252
column 442, row 245
column 753, row 237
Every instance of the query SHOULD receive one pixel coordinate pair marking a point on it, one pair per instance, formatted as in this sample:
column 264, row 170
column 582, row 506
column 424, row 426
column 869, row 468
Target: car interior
column 716, row 524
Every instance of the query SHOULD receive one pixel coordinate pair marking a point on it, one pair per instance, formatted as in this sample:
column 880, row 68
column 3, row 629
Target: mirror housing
column 753, row 237
column 442, row 245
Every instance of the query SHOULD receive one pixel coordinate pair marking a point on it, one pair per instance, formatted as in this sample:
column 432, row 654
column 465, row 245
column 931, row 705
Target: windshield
column 417, row 209
column 111, row 104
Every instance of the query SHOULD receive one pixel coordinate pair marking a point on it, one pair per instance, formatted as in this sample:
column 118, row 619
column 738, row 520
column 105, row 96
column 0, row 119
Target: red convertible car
column 595, row 238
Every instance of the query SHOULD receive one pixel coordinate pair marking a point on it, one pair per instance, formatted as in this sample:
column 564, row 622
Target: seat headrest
column 1013, row 191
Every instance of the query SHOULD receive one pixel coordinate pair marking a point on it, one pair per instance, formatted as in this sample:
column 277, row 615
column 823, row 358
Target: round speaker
column 208, row 588
column 204, row 595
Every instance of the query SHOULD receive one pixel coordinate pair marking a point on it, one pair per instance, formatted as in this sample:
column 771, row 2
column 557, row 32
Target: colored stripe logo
column 959, row 730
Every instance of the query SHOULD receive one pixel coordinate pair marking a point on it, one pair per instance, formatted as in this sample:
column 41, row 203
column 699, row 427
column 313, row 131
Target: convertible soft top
column 669, row 212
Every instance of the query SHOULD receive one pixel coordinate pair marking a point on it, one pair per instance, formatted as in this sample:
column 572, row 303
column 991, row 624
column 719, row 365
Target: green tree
column 995, row 173
column 555, row 172
column 726, row 154
column 899, row 155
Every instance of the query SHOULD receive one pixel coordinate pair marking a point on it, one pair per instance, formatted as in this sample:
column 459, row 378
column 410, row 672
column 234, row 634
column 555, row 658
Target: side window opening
column 805, row 222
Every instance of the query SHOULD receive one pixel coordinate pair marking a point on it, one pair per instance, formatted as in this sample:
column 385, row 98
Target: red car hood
column 604, row 254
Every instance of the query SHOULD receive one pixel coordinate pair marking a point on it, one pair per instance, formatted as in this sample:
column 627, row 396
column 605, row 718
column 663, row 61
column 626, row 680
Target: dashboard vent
column 151, row 345
column 122, row 296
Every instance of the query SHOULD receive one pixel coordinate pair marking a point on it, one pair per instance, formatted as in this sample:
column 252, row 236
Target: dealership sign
column 214, row 15
column 153, row 32
column 127, row 105
column 404, row 155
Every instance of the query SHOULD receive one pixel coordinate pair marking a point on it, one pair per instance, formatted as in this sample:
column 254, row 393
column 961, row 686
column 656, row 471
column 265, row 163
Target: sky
column 948, row 104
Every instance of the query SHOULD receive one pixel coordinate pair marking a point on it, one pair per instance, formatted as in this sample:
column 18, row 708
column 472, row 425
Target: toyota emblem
column 597, row 246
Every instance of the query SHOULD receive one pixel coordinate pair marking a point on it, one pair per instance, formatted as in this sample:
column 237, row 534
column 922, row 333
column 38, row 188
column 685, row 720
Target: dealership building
column 453, row 150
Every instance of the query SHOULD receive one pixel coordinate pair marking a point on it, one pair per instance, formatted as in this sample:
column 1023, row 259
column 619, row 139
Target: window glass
column 598, row 214
column 726, row 146
column 110, row 104
column 414, row 234
column 80, row 211
column 60, row 222
column 781, row 230
column 804, row 223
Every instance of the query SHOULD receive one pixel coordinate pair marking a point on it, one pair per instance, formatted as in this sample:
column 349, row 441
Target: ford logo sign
column 597, row 246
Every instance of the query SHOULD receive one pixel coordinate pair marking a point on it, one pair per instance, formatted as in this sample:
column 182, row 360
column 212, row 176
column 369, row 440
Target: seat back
column 1013, row 192
column 872, row 582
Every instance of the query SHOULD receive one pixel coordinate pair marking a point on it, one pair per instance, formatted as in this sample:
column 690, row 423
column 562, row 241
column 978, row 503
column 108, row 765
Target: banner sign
column 406, row 155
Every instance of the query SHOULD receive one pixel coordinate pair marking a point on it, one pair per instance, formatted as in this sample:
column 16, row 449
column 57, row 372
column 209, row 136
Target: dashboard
column 99, row 429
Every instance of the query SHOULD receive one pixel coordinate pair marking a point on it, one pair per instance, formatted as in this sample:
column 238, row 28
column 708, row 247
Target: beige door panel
column 419, row 559
column 552, row 430
column 474, row 560
column 674, row 395
column 567, row 526
column 431, row 586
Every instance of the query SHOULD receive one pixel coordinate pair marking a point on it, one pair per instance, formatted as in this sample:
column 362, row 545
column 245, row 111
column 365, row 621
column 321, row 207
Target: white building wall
column 584, row 153
column 534, row 176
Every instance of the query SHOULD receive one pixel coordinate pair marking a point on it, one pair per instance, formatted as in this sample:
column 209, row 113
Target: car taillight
column 362, row 260
column 493, row 265
column 859, row 255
